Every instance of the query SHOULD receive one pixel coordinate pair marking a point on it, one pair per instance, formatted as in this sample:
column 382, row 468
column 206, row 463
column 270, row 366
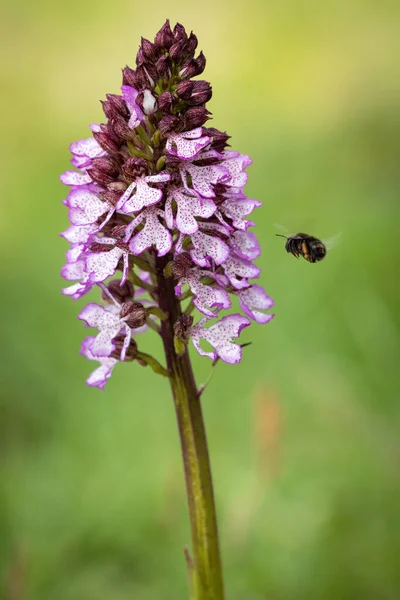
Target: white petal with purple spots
column 188, row 144
column 254, row 299
column 220, row 337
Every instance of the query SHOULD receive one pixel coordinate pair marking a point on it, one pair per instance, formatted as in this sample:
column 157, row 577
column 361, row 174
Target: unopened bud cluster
column 154, row 181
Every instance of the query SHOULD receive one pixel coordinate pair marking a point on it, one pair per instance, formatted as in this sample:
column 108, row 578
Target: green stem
column 207, row 583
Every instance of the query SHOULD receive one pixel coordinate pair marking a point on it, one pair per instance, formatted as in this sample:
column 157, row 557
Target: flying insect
column 311, row 248
column 307, row 246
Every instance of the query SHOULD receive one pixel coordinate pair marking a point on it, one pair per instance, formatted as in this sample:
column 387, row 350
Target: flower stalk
column 158, row 197
column 205, row 571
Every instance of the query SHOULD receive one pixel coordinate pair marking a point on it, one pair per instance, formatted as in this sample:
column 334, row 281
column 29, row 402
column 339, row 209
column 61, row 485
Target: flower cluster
column 154, row 187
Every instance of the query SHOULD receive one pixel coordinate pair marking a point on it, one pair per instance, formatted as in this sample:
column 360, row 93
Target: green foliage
column 304, row 432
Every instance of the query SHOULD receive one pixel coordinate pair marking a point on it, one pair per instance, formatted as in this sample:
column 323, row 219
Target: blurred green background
column 304, row 433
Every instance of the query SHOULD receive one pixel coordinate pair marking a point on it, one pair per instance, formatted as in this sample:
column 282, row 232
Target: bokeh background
column 304, row 434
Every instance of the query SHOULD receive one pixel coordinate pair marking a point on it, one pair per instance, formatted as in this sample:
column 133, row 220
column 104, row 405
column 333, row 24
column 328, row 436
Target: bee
column 308, row 246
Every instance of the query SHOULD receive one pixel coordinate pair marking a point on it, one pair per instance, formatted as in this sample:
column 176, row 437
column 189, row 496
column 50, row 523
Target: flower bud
column 128, row 77
column 134, row 314
column 135, row 167
column 120, row 293
column 165, row 101
column 168, row 123
column 121, row 128
column 180, row 33
column 131, row 352
column 163, row 66
column 176, row 52
column 141, row 79
column 196, row 116
column 97, row 247
column 193, row 67
column 140, row 57
column 181, row 265
column 105, row 142
column 182, row 326
column 118, row 105
column 149, row 50
column 201, row 92
column 114, row 192
column 218, row 138
column 191, row 44
column 184, row 89
column 164, row 38
column 103, row 170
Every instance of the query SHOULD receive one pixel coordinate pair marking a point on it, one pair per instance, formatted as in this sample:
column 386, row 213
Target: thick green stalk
column 206, row 560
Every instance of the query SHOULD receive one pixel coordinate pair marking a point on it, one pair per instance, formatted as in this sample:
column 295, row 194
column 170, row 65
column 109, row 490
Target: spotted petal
column 75, row 178
column 236, row 163
column 189, row 206
column 245, row 245
column 109, row 325
column 85, row 207
column 238, row 209
column 144, row 194
column 252, row 300
column 205, row 296
column 220, row 337
column 238, row 271
column 153, row 233
column 206, row 247
column 100, row 376
column 188, row 144
column 88, row 148
column 203, row 178
column 79, row 234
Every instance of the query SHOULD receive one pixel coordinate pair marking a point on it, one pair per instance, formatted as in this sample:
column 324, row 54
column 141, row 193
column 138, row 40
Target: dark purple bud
column 118, row 104
column 171, row 162
column 120, row 128
column 120, row 293
column 165, row 101
column 100, row 176
column 193, row 67
column 105, row 142
column 149, row 50
column 131, row 352
column 180, row 33
column 168, row 123
column 134, row 314
column 128, row 77
column 114, row 192
column 196, row 116
column 164, row 38
column 107, row 109
column 140, row 57
column 191, row 44
column 97, row 247
column 163, row 66
column 201, row 93
column 106, row 164
column 182, row 326
column 219, row 139
column 135, row 167
column 201, row 63
column 118, row 231
column 108, row 131
column 181, row 266
column 141, row 79
column 184, row 89
column 177, row 52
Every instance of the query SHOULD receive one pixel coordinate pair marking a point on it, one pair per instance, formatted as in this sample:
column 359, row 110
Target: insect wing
column 333, row 241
